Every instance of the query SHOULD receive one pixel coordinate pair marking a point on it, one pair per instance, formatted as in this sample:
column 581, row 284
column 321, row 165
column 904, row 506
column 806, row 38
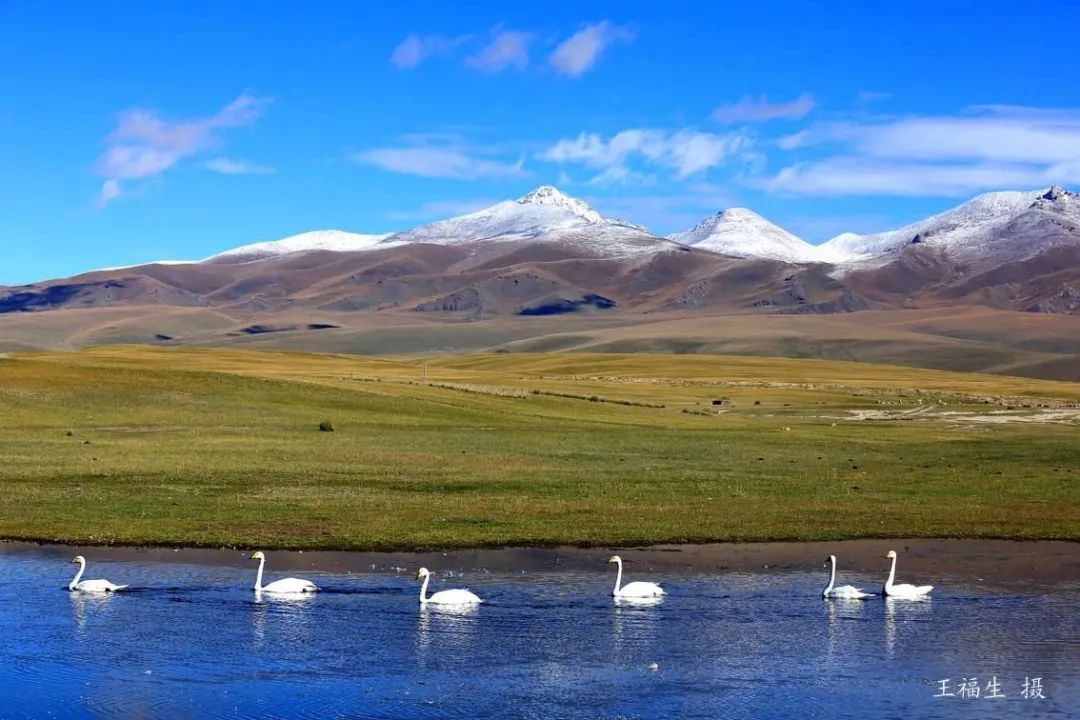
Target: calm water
column 192, row 641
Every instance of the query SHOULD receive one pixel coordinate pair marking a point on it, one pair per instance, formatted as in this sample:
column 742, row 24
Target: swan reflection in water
column 290, row 613
column 635, row 620
column 83, row 605
column 837, row 610
column 452, row 627
column 904, row 610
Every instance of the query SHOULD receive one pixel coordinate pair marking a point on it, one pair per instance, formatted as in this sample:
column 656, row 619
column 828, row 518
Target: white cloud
column 686, row 152
column 414, row 49
column 110, row 190
column 577, row 54
column 759, row 109
column 441, row 209
column 999, row 137
column 621, row 175
column 144, row 146
column 229, row 166
column 507, row 49
column 868, row 176
column 448, row 161
column 954, row 155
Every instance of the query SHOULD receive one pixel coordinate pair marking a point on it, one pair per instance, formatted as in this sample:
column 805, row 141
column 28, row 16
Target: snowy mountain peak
column 990, row 228
column 979, row 231
column 1055, row 196
column 543, row 215
column 1055, row 192
column 550, row 195
column 741, row 232
column 335, row 240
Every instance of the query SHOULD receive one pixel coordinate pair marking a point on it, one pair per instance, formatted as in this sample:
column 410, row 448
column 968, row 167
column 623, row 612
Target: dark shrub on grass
column 326, row 426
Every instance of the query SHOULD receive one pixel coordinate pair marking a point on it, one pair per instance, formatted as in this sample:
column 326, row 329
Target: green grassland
column 221, row 447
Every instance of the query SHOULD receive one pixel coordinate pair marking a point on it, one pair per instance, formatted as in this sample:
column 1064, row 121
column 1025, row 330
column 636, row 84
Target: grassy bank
column 142, row 445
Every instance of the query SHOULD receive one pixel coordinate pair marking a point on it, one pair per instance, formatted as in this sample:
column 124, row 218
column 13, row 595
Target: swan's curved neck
column 618, row 577
column 78, row 576
column 423, row 589
column 892, row 574
column 258, row 576
column 832, row 578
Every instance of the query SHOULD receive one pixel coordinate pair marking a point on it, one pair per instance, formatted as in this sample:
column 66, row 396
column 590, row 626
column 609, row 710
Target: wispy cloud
column 867, row 176
column 229, row 166
column 751, row 110
column 986, row 148
column 144, row 146
column 507, row 49
column 110, row 190
column 415, row 49
column 624, row 176
column 866, row 97
column 578, row 53
column 441, row 209
column 446, row 159
column 685, row 152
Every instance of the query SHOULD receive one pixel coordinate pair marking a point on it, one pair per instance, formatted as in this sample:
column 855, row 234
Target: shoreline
column 521, row 543
column 995, row 561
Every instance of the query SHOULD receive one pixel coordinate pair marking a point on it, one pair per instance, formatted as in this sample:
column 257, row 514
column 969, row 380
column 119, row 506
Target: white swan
column 634, row 589
column 902, row 591
column 283, row 586
column 844, row 592
column 90, row 586
column 444, row 597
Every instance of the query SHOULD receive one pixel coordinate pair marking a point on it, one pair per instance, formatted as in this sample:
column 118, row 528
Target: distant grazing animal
column 902, row 591
column 635, row 589
column 285, row 586
column 90, row 586
column 844, row 592
column 444, row 597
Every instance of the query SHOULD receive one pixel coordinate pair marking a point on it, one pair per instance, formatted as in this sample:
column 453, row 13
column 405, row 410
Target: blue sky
column 138, row 131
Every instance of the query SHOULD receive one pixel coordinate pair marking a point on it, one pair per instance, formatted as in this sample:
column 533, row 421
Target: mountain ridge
column 548, row 215
column 549, row 254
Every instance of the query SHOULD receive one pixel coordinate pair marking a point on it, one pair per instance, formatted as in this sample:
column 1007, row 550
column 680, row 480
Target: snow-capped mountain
column 993, row 227
column 743, row 233
column 545, row 214
column 335, row 240
column 990, row 229
column 547, row 253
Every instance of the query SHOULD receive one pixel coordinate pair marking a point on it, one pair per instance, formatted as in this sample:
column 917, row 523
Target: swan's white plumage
column 77, row 584
column 909, row 591
column 904, row 590
column 640, row 589
column 454, row 597
column 457, row 596
column 290, row 585
column 637, row 589
column 283, row 586
column 843, row 592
